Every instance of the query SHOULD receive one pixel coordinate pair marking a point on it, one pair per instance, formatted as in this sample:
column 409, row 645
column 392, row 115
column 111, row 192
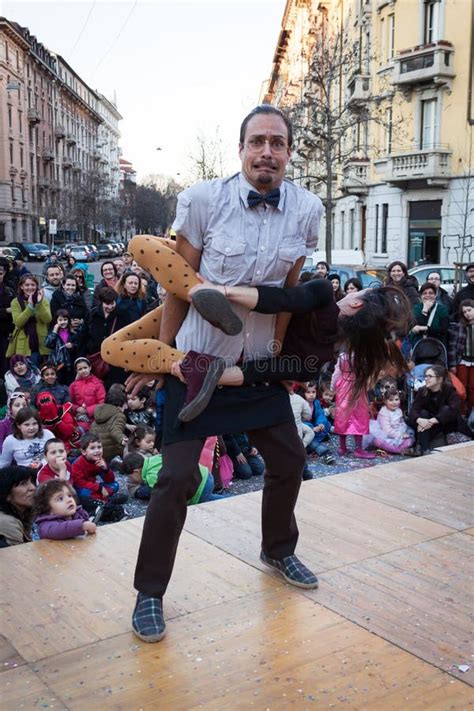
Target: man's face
column 434, row 279
column 54, row 276
column 470, row 275
column 321, row 269
column 264, row 165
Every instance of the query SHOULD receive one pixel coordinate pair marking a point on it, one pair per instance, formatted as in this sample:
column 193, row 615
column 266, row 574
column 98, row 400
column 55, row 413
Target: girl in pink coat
column 86, row 392
column 352, row 412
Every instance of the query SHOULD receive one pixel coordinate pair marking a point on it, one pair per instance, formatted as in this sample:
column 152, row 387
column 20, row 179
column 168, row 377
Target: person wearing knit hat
column 335, row 280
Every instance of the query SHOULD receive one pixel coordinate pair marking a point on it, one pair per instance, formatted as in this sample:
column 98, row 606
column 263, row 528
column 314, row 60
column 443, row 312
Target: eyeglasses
column 276, row 145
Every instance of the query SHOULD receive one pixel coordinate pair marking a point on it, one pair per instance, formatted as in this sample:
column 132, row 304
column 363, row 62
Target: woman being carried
column 366, row 320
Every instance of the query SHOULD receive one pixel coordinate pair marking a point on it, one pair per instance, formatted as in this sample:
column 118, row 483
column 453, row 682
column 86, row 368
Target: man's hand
column 135, row 381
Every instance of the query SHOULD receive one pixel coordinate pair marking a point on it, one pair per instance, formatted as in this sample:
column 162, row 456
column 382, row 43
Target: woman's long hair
column 440, row 372
column 121, row 288
column 368, row 335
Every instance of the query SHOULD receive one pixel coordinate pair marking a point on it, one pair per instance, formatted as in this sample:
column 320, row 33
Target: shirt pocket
column 288, row 253
column 227, row 258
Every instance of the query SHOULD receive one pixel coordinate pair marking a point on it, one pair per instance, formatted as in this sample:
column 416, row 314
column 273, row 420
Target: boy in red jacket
column 93, row 480
column 57, row 466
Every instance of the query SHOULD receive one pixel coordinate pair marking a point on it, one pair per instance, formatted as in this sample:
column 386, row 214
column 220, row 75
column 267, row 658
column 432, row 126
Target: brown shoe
column 216, row 309
column 202, row 373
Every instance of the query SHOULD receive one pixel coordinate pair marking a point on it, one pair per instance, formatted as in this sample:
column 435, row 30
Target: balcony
column 60, row 132
column 96, row 155
column 43, row 183
column 70, row 139
column 48, row 154
column 67, row 162
column 13, row 171
column 55, row 186
column 23, row 174
column 355, row 177
column 33, row 115
column 427, row 63
column 76, row 166
column 358, row 90
column 431, row 166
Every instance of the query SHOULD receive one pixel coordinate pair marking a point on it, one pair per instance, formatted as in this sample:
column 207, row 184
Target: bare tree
column 207, row 160
column 155, row 204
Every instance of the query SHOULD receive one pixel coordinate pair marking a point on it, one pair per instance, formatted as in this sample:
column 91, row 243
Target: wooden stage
column 389, row 627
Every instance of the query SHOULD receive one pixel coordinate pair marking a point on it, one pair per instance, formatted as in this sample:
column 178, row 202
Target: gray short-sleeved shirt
column 243, row 246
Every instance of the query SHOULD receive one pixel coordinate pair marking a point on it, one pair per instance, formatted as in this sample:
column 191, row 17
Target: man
column 252, row 228
column 467, row 292
column 53, row 278
column 322, row 270
column 127, row 260
column 119, row 266
column 442, row 296
column 51, row 261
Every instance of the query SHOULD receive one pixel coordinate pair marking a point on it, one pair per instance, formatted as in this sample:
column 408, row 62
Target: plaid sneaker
column 147, row 620
column 292, row 570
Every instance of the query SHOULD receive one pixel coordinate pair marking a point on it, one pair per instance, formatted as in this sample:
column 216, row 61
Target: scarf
column 30, row 326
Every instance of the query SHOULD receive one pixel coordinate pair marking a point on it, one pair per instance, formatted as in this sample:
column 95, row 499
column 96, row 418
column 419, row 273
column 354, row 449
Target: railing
column 431, row 62
column 426, row 163
column 356, row 177
column 33, row 115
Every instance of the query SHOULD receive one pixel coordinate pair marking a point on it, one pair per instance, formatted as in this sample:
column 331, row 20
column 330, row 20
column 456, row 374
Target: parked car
column 104, row 251
column 31, row 251
column 370, row 278
column 10, row 253
column 446, row 273
column 94, row 252
column 79, row 253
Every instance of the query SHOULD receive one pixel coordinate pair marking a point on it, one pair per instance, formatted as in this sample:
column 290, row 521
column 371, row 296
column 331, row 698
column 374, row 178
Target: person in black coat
column 6, row 323
column 397, row 275
column 68, row 297
column 435, row 410
column 467, row 292
column 105, row 320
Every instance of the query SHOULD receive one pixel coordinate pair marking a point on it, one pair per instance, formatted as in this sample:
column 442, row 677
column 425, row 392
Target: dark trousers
column 284, row 456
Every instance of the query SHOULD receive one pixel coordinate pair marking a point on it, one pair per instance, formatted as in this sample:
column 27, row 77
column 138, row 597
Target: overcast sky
column 179, row 68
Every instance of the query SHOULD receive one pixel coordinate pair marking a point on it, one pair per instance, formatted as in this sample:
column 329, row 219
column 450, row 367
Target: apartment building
column 402, row 181
column 55, row 131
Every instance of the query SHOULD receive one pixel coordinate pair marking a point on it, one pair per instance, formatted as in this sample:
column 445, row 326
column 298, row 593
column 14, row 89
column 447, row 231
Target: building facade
column 58, row 141
column 402, row 101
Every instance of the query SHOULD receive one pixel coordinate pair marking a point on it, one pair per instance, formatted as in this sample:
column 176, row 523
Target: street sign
column 53, row 227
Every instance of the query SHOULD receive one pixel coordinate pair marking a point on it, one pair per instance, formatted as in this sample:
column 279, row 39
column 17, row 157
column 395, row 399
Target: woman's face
column 397, row 273
column 428, row 296
column 132, row 285
column 70, row 286
column 16, row 405
column 29, row 428
column 83, row 369
column 29, row 287
column 335, row 284
column 109, row 308
column 108, row 271
column 49, row 376
column 79, row 277
column 468, row 313
column 20, row 368
column 21, row 495
column 350, row 288
column 432, row 382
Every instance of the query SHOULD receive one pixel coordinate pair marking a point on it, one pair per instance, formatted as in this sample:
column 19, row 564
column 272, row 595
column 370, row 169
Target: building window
column 21, row 157
column 391, row 37
column 383, row 247
column 2, row 232
column 431, row 21
column 352, row 228
column 11, row 153
column 377, row 229
column 343, row 229
column 9, row 117
column 20, row 122
column 388, row 129
column 429, row 123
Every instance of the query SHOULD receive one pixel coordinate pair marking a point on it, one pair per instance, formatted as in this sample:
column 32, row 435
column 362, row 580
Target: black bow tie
column 271, row 198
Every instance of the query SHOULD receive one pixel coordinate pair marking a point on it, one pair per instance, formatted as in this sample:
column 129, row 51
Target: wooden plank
column 267, row 650
column 83, row 589
column 419, row 598
column 435, row 487
column 464, row 450
column 23, row 689
column 469, row 531
column 337, row 527
column 9, row 657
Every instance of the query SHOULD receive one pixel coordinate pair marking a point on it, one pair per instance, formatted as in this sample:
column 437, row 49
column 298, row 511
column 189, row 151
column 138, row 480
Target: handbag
column 98, row 365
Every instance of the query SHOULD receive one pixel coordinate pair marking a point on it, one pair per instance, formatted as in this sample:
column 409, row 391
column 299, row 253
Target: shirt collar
column 245, row 187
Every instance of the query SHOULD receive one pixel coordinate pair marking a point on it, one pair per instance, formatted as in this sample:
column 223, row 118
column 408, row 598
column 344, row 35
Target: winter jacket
column 409, row 285
column 439, row 325
column 12, row 384
column 19, row 344
column 58, row 419
column 60, row 356
column 301, row 411
column 6, row 321
column 109, row 423
column 5, row 428
column 442, row 297
column 99, row 327
column 88, row 475
column 151, row 470
column 460, row 344
column 445, row 405
column 48, row 291
column 59, row 528
column 13, row 531
column 467, row 292
column 46, row 474
column 74, row 304
column 89, row 391
column 129, row 309
column 59, row 392
column 318, row 417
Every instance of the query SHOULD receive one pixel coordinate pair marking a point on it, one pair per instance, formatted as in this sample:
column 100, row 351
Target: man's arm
column 283, row 318
column 175, row 310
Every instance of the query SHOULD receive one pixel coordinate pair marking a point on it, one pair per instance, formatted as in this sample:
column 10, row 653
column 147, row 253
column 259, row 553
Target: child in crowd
column 326, row 397
column 301, row 411
column 15, row 402
column 147, row 471
column 245, row 458
column 86, row 392
column 58, row 516
column 49, row 383
column 61, row 346
column 390, row 431
column 57, row 465
column 109, row 422
column 138, row 411
column 59, row 419
column 25, row 446
column 317, row 423
column 22, row 375
column 352, row 409
column 142, row 440
column 92, row 477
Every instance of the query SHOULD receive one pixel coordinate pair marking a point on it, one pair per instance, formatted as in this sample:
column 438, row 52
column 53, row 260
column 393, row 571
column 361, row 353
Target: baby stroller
column 427, row 351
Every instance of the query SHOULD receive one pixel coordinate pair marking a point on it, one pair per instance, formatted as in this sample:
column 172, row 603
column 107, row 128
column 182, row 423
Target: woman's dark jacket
column 445, row 405
column 409, row 285
column 99, row 328
column 74, row 304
